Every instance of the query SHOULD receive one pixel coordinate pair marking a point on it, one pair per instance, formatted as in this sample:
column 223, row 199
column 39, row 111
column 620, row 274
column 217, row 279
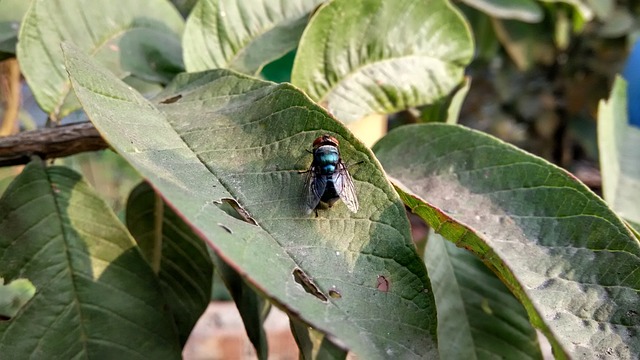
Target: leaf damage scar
column 307, row 284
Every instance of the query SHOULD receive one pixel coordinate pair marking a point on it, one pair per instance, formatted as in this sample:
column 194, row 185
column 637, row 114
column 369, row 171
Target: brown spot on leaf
column 383, row 284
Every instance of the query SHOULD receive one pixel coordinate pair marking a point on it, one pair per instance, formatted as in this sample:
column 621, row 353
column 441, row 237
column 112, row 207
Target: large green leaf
column 96, row 296
column 140, row 38
column 253, row 307
column 478, row 318
column 523, row 10
column 619, row 146
column 359, row 57
column 243, row 35
column 562, row 252
column 178, row 256
column 218, row 136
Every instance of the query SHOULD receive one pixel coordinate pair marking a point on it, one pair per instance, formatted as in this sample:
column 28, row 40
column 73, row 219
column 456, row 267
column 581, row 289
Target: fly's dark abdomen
column 326, row 159
column 330, row 195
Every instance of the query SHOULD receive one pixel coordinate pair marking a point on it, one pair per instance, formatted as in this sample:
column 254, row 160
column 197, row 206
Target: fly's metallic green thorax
column 328, row 179
column 326, row 159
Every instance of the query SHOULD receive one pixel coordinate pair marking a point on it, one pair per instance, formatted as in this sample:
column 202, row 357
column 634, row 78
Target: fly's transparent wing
column 345, row 188
column 313, row 188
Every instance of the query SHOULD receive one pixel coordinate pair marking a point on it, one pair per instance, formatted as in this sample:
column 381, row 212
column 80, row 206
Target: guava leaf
column 96, row 297
column 447, row 109
column 360, row 57
column 176, row 254
column 619, row 148
column 585, row 8
column 217, row 136
column 557, row 246
column 140, row 38
column 478, row 318
column 314, row 345
column 184, row 6
column 243, row 35
column 522, row 10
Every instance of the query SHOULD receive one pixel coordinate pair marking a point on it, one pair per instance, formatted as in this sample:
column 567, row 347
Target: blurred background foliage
column 541, row 69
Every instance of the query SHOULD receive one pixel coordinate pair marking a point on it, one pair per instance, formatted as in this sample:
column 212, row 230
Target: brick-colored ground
column 220, row 335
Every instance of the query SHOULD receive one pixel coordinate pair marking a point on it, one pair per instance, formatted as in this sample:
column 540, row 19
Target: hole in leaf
column 334, row 293
column 486, row 307
column 383, row 284
column 232, row 208
column 171, row 100
column 307, row 284
column 13, row 296
column 225, row 227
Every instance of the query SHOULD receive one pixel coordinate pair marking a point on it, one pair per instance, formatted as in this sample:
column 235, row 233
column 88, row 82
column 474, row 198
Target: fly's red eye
column 325, row 140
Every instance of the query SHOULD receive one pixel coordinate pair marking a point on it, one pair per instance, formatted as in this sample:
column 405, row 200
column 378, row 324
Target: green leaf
column 484, row 36
column 560, row 250
column 584, row 7
column 252, row 307
column 280, row 69
column 14, row 295
column 219, row 136
column 523, row 10
column 619, row 147
column 184, row 6
column 314, row 345
column 455, row 105
column 601, row 8
column 447, row 109
column 140, row 38
column 243, row 35
column 477, row 315
column 177, row 255
column 618, row 23
column 359, row 57
column 11, row 14
column 96, row 296
column 7, row 175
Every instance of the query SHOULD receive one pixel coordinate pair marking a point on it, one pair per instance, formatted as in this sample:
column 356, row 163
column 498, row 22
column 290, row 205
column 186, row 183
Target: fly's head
column 325, row 139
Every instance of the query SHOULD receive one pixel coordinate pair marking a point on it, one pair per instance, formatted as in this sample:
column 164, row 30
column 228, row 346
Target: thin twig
column 50, row 143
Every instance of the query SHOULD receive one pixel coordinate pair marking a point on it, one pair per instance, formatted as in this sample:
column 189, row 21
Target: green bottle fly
column 328, row 179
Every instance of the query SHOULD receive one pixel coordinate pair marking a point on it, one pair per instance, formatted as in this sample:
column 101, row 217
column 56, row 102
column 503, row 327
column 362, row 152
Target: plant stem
column 50, row 143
